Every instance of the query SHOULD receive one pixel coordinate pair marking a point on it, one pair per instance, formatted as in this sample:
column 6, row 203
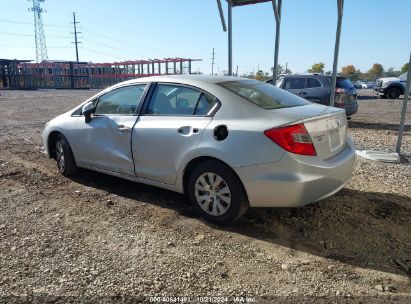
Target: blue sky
column 373, row 31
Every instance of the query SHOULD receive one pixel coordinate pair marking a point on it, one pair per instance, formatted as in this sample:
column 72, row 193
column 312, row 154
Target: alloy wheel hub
column 213, row 194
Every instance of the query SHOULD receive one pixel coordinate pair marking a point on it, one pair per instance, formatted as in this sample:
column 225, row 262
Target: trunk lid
column 327, row 126
column 328, row 133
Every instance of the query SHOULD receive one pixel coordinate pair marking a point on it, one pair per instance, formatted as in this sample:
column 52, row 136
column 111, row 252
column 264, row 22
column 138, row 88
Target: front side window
column 264, row 95
column 294, row 83
column 120, row 101
column 168, row 99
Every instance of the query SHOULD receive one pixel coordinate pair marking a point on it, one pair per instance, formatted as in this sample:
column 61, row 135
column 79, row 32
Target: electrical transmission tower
column 41, row 48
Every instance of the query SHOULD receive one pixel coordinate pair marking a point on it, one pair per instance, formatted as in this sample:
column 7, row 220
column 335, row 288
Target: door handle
column 123, row 129
column 187, row 131
column 302, row 93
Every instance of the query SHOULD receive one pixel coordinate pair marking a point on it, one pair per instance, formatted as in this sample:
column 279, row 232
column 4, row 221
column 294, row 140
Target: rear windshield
column 264, row 95
column 342, row 83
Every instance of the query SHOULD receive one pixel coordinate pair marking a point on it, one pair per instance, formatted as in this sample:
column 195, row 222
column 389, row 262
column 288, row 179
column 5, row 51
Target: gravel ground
column 96, row 238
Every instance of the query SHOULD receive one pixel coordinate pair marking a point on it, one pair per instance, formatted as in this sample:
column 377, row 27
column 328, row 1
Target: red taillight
column 294, row 139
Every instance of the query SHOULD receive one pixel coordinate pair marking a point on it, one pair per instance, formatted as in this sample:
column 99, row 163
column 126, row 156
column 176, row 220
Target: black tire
column 383, row 96
column 238, row 204
column 64, row 157
column 393, row 93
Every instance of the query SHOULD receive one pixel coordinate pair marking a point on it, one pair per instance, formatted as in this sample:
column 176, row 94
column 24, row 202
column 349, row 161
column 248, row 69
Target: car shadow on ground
column 364, row 229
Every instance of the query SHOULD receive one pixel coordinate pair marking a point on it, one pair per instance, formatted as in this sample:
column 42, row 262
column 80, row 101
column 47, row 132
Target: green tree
column 348, row 70
column 260, row 75
column 376, row 70
column 280, row 69
column 391, row 73
column 317, row 68
column 351, row 72
column 404, row 68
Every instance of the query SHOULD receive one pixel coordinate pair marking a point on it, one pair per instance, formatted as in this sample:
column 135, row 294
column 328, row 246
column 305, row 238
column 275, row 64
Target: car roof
column 186, row 78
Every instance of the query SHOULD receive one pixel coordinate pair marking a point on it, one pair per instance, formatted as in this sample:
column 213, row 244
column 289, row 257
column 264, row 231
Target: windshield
column 264, row 95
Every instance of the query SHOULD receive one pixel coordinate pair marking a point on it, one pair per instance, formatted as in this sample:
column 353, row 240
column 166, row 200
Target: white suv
column 391, row 87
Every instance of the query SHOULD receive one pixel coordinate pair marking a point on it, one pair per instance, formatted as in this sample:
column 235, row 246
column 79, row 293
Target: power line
column 146, row 49
column 109, row 46
column 33, row 47
column 31, row 35
column 102, row 53
column 30, row 23
column 125, row 42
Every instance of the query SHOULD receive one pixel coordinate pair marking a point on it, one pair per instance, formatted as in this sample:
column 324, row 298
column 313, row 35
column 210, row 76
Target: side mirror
column 87, row 110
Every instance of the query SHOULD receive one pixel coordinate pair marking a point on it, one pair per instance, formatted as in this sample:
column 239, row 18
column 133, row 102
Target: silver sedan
column 227, row 143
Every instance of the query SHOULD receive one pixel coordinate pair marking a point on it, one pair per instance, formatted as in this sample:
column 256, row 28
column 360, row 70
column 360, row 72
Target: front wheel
column 393, row 93
column 64, row 157
column 216, row 193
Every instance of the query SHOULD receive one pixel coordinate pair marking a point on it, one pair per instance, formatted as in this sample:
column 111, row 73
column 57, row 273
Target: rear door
column 316, row 92
column 295, row 85
column 170, row 126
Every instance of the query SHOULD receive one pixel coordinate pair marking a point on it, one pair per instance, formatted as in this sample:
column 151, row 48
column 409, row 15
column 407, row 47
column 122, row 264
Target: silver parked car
column 227, row 143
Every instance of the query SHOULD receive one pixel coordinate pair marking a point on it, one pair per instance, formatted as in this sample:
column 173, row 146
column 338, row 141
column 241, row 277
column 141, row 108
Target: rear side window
column 342, row 82
column 264, row 95
column 313, row 83
column 294, row 83
column 168, row 99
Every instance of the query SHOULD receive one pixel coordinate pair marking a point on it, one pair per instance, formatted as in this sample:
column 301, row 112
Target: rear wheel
column 216, row 193
column 393, row 93
column 64, row 157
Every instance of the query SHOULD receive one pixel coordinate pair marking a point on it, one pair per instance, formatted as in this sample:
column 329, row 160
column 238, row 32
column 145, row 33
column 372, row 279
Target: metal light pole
column 220, row 10
column 277, row 14
column 230, row 40
column 340, row 4
column 404, row 108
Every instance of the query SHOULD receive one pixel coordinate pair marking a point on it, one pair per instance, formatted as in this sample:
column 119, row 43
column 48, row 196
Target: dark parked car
column 357, row 85
column 317, row 88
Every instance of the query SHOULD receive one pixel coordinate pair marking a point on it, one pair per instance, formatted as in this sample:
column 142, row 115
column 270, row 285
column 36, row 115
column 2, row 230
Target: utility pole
column 76, row 42
column 212, row 63
column 236, row 72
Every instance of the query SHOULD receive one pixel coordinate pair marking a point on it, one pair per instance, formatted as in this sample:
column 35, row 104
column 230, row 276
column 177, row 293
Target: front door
column 105, row 141
column 169, row 128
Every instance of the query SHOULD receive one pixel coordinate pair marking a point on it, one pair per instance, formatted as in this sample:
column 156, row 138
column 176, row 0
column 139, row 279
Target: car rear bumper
column 351, row 108
column 296, row 180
